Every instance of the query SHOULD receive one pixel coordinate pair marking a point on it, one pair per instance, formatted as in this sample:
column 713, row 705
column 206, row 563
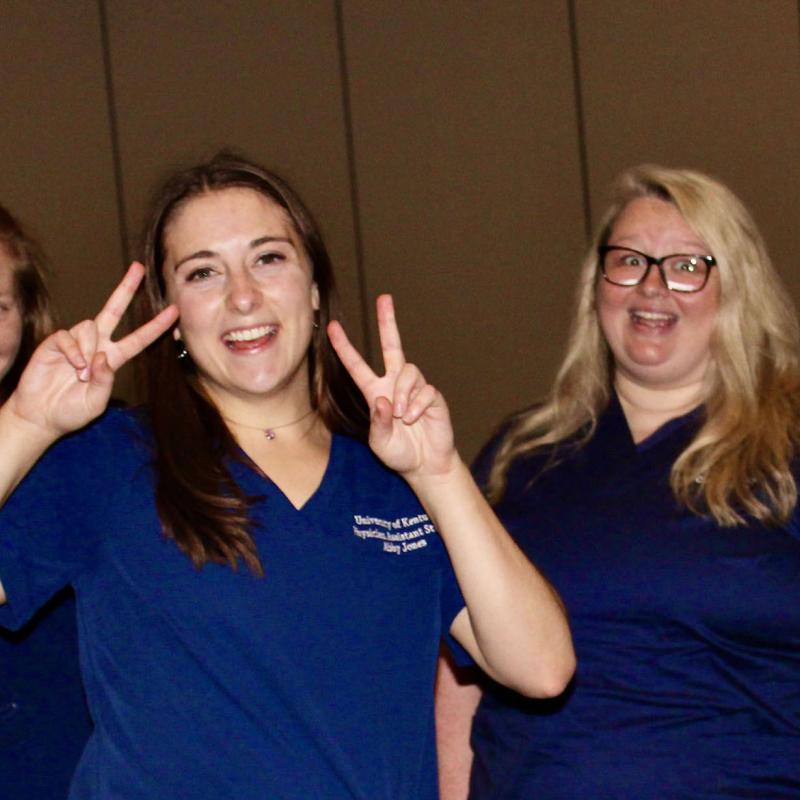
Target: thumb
column 381, row 422
column 101, row 376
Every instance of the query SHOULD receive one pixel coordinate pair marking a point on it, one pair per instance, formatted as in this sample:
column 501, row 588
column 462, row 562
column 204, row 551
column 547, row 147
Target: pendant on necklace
column 269, row 434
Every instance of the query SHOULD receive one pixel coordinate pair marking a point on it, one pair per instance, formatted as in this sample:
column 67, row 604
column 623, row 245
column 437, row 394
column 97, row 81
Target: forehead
column 656, row 220
column 224, row 214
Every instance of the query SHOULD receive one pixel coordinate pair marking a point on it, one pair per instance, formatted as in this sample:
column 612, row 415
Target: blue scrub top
column 687, row 637
column 315, row 681
column 44, row 721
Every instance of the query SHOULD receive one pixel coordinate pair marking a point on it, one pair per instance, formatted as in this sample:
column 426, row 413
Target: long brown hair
column 30, row 294
column 739, row 462
column 199, row 503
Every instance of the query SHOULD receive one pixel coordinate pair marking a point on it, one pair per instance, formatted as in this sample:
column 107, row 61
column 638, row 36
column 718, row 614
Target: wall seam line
column 352, row 171
column 119, row 183
column 583, row 156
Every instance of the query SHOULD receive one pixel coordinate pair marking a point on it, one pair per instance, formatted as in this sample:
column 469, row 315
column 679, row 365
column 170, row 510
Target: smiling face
column 243, row 284
column 659, row 338
column 10, row 315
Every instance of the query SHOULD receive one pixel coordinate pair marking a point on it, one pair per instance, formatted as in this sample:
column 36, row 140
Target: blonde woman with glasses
column 656, row 487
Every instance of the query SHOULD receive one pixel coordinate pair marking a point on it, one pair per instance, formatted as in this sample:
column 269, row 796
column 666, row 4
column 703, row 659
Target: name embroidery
column 401, row 535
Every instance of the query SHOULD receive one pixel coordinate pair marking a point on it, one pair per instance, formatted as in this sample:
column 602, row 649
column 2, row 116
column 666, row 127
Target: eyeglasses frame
column 651, row 262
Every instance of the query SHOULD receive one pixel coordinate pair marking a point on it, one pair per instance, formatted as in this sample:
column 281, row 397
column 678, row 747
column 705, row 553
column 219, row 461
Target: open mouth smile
column 249, row 338
column 652, row 319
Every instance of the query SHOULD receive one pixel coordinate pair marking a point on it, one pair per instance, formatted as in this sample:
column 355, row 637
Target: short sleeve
column 48, row 530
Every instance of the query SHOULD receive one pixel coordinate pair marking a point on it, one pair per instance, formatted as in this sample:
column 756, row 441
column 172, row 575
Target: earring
column 181, row 352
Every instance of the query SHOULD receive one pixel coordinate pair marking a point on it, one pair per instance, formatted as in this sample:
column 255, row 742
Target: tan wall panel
column 467, row 160
column 57, row 170
column 708, row 84
column 190, row 77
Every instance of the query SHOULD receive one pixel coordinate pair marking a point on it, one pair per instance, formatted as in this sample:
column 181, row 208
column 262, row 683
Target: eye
column 270, row 258
column 199, row 274
column 632, row 260
column 686, row 265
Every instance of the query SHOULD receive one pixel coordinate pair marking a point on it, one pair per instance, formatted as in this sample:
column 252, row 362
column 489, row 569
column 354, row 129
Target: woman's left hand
column 410, row 428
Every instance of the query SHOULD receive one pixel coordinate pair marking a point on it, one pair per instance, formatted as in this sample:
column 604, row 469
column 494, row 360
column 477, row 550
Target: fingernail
column 83, row 375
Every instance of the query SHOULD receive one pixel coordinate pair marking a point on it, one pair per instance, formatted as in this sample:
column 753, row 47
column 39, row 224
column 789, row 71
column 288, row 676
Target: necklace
column 269, row 433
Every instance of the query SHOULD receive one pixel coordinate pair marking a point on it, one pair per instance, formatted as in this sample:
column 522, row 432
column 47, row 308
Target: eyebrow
column 255, row 243
column 694, row 248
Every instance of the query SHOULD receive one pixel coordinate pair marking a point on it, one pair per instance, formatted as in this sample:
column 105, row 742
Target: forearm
column 23, row 443
column 516, row 627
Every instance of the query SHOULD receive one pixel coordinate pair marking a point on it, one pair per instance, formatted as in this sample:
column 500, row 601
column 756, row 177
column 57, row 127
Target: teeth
column 655, row 316
column 251, row 334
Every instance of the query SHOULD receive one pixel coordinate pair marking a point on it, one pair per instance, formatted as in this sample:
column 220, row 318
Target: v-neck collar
column 615, row 418
column 326, row 487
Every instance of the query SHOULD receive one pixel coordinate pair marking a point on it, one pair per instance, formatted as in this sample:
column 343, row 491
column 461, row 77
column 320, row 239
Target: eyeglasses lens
column 684, row 273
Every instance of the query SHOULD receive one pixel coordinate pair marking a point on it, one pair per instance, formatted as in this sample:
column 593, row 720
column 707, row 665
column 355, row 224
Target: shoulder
column 508, row 435
column 119, row 434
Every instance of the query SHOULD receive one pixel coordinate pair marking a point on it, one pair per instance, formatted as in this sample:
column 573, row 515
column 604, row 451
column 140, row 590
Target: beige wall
column 453, row 150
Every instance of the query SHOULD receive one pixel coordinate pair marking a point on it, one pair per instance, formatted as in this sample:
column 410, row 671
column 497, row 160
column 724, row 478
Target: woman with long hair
column 656, row 487
column 261, row 593
column 44, row 722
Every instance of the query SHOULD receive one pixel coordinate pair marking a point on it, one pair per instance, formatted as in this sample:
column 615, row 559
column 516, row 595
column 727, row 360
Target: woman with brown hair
column 25, row 312
column 261, row 594
column 657, row 488
column 44, row 722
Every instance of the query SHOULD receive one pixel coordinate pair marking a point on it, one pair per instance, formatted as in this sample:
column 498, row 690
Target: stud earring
column 181, row 352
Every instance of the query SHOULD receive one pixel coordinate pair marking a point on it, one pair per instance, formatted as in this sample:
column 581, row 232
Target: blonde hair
column 739, row 462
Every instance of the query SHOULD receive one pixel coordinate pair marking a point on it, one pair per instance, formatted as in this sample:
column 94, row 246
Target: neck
column 647, row 408
column 287, row 405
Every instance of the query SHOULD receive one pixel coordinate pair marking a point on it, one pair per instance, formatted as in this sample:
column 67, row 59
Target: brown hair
column 30, row 294
column 739, row 462
column 199, row 503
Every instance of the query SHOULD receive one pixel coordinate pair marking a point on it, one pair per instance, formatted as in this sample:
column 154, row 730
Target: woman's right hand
column 69, row 378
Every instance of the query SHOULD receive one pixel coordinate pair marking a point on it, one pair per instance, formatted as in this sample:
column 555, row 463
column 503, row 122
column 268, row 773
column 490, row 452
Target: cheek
column 10, row 336
column 702, row 311
column 194, row 318
column 610, row 306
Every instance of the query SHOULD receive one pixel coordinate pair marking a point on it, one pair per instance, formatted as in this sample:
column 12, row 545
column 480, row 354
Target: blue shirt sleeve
column 46, row 539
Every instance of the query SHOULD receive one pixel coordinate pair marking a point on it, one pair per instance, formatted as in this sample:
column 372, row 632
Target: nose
column 244, row 294
column 654, row 282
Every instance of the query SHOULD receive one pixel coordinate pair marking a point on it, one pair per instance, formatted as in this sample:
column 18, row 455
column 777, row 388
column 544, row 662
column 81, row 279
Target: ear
column 315, row 296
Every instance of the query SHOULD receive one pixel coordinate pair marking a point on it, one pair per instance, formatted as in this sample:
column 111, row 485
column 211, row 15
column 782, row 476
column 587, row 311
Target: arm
column 456, row 701
column 514, row 625
column 68, row 382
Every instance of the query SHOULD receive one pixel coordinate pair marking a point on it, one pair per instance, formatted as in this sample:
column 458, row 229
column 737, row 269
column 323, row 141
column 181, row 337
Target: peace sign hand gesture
column 410, row 428
column 69, row 378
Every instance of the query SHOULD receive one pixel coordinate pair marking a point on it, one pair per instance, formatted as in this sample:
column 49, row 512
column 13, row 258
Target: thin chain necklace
column 269, row 433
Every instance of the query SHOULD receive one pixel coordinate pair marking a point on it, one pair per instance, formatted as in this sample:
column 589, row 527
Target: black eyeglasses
column 680, row 272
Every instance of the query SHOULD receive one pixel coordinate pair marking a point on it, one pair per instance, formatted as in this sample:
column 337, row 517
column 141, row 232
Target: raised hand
column 410, row 428
column 69, row 378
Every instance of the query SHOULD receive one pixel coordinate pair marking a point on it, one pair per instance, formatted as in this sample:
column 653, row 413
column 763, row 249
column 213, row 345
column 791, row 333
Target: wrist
column 15, row 425
column 446, row 474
